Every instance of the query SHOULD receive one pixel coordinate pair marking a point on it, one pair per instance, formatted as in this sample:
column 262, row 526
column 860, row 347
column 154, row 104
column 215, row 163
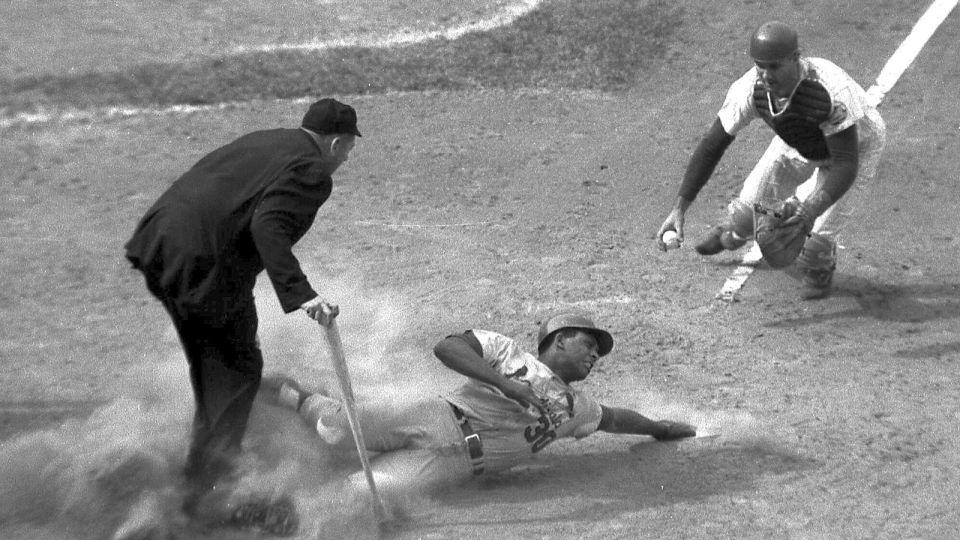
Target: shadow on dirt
column 937, row 350
column 608, row 485
column 887, row 302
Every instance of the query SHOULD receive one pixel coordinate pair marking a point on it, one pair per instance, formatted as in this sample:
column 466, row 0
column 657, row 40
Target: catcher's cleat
column 278, row 518
column 711, row 245
column 720, row 238
column 816, row 284
column 732, row 241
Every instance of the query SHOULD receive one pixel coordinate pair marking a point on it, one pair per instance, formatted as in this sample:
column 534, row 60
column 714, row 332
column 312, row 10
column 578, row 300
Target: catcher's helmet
column 579, row 322
column 773, row 41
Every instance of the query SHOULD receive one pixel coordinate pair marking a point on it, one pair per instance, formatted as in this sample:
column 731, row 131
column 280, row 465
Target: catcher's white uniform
column 782, row 171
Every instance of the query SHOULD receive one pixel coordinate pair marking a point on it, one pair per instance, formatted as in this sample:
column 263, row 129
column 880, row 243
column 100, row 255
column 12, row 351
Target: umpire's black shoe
column 278, row 518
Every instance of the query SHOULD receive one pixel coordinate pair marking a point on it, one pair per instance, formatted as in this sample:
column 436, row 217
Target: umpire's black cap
column 579, row 322
column 330, row 116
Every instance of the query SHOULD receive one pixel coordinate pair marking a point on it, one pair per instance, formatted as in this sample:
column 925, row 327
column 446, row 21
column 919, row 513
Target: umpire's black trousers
column 225, row 370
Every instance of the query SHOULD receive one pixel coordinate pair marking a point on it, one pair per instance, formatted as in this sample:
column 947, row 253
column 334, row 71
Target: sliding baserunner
column 512, row 406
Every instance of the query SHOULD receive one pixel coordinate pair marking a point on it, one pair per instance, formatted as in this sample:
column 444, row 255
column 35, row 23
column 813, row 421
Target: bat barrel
column 346, row 389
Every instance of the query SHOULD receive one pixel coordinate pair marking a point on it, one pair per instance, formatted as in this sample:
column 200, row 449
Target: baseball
column 670, row 239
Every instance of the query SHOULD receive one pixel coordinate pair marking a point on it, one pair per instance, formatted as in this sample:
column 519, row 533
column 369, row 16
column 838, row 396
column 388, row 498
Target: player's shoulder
column 487, row 335
column 266, row 134
column 495, row 344
column 823, row 64
column 829, row 75
column 747, row 81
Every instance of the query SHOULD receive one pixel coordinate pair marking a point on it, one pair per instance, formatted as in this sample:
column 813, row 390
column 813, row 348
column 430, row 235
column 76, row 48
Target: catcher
column 828, row 137
column 511, row 407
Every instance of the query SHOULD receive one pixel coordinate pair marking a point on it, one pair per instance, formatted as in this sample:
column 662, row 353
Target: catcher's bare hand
column 674, row 430
column 320, row 310
column 674, row 222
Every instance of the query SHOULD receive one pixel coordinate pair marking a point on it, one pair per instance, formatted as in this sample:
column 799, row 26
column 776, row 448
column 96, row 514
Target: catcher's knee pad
column 739, row 228
column 819, row 253
column 741, row 218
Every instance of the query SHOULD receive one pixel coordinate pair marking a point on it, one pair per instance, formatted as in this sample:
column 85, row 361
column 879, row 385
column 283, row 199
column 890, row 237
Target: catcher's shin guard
column 817, row 261
column 819, row 253
column 740, row 228
column 741, row 219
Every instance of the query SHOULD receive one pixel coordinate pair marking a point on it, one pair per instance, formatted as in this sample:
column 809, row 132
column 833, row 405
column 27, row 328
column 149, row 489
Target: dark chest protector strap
column 798, row 123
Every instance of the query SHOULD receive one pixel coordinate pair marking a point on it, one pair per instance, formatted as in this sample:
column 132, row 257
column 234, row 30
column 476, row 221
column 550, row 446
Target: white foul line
column 108, row 113
column 901, row 59
column 736, row 280
column 408, row 36
column 404, row 37
column 905, row 54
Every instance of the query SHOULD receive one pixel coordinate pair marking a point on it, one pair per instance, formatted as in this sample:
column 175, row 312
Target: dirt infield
column 831, row 419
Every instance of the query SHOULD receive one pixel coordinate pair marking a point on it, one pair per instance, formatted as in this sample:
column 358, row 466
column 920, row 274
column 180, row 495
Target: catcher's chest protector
column 798, row 123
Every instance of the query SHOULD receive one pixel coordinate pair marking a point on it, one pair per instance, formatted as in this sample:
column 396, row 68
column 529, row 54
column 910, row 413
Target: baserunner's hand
column 674, row 430
column 524, row 395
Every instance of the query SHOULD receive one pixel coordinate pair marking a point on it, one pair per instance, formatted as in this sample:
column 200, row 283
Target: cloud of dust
column 80, row 479
column 118, row 470
column 376, row 328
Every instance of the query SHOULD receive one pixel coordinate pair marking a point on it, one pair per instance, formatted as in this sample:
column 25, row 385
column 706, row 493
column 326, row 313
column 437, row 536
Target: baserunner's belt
column 471, row 439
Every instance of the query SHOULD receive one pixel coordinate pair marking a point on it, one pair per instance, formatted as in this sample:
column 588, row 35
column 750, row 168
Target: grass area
column 600, row 44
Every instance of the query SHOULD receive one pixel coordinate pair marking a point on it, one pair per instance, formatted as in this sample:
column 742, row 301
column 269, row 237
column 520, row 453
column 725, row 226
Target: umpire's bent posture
column 200, row 247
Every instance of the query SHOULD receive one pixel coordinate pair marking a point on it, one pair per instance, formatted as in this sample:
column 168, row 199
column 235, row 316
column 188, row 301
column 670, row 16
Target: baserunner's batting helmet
column 773, row 41
column 579, row 322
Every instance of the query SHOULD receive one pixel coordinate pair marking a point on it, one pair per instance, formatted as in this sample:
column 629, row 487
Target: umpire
column 200, row 247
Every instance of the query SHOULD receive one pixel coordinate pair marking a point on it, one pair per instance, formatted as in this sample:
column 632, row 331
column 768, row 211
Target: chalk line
column 751, row 259
column 407, row 36
column 403, row 37
column 109, row 113
column 895, row 66
column 910, row 48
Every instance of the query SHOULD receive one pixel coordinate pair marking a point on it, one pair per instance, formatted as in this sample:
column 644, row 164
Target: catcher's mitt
column 779, row 237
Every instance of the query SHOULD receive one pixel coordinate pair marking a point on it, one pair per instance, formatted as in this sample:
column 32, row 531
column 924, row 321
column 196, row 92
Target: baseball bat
column 343, row 375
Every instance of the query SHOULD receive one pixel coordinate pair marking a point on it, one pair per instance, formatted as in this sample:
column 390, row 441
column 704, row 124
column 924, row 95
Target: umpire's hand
column 320, row 310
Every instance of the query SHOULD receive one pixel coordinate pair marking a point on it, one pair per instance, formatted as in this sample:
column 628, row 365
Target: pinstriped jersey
column 826, row 101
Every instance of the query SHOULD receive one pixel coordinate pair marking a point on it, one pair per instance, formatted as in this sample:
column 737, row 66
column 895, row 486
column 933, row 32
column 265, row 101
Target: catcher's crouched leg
column 817, row 262
column 741, row 224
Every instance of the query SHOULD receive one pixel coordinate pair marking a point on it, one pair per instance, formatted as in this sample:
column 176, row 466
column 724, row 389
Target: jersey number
column 540, row 435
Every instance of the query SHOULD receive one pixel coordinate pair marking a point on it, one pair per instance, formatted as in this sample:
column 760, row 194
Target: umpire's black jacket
column 238, row 211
